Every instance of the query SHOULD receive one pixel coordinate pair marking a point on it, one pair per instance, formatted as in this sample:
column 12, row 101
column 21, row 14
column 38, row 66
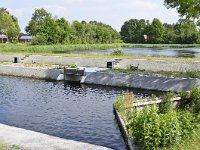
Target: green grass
column 64, row 50
column 13, row 147
column 191, row 143
column 27, row 48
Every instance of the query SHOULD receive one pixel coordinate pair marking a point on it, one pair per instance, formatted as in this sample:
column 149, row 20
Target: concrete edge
column 31, row 140
column 122, row 126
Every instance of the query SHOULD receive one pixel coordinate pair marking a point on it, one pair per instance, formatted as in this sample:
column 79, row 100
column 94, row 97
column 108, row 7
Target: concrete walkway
column 29, row 140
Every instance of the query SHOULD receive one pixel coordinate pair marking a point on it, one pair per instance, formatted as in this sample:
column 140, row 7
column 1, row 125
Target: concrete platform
column 29, row 140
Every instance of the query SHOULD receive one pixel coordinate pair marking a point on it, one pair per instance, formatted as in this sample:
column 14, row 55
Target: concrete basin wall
column 39, row 73
column 141, row 81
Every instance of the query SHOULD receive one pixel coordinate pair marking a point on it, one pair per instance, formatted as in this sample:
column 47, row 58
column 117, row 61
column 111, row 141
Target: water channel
column 164, row 52
column 71, row 111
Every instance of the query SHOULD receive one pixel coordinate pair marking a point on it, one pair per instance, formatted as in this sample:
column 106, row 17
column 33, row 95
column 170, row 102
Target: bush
column 118, row 52
column 152, row 130
column 195, row 99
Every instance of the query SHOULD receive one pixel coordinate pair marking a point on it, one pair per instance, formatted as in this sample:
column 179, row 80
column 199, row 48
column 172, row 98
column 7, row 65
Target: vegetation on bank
column 13, row 147
column 164, row 127
column 65, row 48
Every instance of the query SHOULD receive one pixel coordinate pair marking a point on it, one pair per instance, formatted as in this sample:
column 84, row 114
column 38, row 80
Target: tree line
column 47, row 29
column 142, row 31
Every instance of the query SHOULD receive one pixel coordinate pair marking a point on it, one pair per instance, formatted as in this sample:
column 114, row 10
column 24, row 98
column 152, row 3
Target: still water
column 164, row 52
column 70, row 111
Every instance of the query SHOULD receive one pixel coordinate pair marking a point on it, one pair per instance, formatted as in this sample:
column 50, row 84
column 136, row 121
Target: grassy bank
column 163, row 127
column 27, row 48
column 64, row 50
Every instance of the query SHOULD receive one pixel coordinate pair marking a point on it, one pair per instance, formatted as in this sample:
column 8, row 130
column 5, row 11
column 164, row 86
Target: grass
column 190, row 132
column 13, row 147
column 186, row 74
column 64, row 50
column 191, row 143
column 27, row 48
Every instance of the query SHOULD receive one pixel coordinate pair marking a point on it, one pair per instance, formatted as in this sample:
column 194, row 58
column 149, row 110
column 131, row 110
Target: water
column 76, row 112
column 164, row 52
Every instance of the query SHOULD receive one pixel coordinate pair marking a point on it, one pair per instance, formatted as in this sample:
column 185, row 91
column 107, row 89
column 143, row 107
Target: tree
column 37, row 18
column 155, row 32
column 9, row 24
column 186, row 32
column 188, row 8
column 133, row 31
column 169, row 35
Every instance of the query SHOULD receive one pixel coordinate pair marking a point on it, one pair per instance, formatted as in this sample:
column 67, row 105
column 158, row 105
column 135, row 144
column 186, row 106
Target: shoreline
column 123, row 80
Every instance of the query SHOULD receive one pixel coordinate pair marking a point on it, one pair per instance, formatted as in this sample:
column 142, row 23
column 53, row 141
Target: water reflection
column 164, row 52
column 71, row 111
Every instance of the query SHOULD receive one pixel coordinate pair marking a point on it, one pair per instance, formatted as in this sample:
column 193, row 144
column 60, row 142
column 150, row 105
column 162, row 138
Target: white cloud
column 113, row 12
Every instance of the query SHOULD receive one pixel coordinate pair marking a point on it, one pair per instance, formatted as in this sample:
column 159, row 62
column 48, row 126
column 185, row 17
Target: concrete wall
column 39, row 73
column 140, row 81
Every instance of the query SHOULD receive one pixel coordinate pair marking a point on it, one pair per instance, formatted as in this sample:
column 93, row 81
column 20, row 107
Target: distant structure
column 146, row 38
column 3, row 38
column 26, row 39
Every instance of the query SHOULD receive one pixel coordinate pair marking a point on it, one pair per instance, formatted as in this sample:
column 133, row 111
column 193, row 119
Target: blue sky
column 112, row 12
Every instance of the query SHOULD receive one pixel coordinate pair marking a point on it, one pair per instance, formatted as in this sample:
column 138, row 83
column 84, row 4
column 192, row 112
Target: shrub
column 166, row 106
column 152, row 130
column 118, row 52
column 73, row 66
column 195, row 99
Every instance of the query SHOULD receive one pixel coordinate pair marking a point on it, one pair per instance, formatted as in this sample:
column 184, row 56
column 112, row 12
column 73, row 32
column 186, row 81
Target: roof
column 3, row 36
column 26, row 37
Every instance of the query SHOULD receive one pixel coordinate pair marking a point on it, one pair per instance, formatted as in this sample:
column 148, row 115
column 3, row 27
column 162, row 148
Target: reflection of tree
column 186, row 53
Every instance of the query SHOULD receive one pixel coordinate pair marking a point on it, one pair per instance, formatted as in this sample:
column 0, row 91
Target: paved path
column 29, row 140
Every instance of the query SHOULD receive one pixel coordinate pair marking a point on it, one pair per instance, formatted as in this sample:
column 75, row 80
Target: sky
column 112, row 12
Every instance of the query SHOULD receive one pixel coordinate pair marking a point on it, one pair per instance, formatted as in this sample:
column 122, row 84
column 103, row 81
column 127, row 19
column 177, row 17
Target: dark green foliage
column 9, row 25
column 166, row 105
column 133, row 31
column 49, row 30
column 195, row 99
column 188, row 8
column 155, row 32
column 118, row 52
column 152, row 130
column 183, row 32
column 186, row 32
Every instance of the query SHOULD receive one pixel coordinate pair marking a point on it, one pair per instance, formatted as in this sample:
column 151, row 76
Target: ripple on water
column 77, row 112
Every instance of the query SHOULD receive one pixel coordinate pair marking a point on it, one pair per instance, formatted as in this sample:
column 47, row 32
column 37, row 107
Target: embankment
column 153, row 65
column 147, row 82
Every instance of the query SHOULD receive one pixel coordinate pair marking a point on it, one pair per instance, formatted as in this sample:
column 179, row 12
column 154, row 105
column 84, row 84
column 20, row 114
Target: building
column 3, row 38
column 25, row 39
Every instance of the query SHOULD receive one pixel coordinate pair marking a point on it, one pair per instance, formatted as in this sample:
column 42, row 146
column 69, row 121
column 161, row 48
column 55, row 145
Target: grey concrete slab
column 29, row 140
column 141, row 81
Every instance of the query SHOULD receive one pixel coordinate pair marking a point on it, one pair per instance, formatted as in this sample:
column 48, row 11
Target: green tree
column 9, row 24
column 169, row 35
column 133, row 31
column 37, row 18
column 186, row 32
column 188, row 8
column 155, row 32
